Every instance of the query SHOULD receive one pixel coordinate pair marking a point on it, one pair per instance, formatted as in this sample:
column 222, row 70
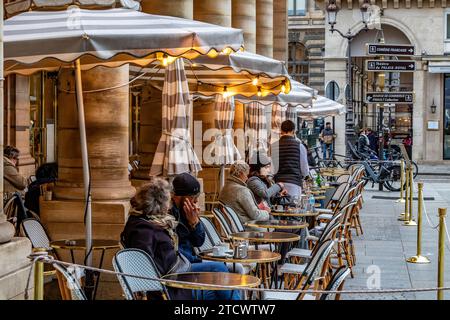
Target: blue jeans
column 328, row 147
column 213, row 294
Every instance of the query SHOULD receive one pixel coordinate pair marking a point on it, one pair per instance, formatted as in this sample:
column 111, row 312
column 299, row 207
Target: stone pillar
column 106, row 114
column 213, row 11
column 420, row 116
column 149, row 131
column 175, row 8
column 264, row 27
column 244, row 17
column 18, row 121
column 280, row 30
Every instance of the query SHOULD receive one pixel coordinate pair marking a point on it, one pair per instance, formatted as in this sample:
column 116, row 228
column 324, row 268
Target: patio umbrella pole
column 222, row 176
column 89, row 285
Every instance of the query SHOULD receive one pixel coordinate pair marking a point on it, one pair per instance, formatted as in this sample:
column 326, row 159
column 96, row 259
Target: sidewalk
column 386, row 244
column 434, row 170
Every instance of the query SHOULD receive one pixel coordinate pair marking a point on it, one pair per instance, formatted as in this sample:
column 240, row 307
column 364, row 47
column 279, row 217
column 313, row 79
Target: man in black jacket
column 191, row 231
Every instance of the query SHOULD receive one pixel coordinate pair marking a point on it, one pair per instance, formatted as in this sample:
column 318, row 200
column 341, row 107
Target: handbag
column 285, row 200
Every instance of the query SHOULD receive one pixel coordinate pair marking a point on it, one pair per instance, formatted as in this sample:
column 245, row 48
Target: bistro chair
column 224, row 224
column 69, row 285
column 336, row 284
column 212, row 235
column 298, row 275
column 233, row 217
column 138, row 262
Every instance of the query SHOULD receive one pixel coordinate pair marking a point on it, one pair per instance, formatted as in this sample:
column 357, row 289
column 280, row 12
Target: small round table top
column 320, row 198
column 277, row 224
column 266, row 237
column 333, row 172
column 208, row 280
column 294, row 214
column 253, row 256
column 80, row 244
column 317, row 192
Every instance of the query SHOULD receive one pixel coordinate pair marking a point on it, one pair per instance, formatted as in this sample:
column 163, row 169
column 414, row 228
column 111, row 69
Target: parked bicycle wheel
column 392, row 180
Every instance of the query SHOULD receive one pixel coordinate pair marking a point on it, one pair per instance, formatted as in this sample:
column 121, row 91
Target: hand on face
column 191, row 211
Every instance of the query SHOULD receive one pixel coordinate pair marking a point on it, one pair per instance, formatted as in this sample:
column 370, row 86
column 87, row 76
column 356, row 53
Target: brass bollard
column 404, row 215
column 402, row 181
column 418, row 258
column 39, row 275
column 441, row 256
column 409, row 221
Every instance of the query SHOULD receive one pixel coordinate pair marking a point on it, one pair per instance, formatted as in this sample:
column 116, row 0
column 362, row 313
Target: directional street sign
column 390, row 65
column 390, row 49
column 390, row 97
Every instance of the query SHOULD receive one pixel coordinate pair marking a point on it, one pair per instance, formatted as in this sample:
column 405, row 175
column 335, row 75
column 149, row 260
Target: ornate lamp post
column 332, row 12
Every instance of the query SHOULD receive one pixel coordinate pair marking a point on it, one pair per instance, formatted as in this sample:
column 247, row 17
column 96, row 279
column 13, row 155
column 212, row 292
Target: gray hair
column 153, row 198
column 239, row 167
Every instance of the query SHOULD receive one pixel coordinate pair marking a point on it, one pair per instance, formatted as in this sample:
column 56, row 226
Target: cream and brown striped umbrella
column 256, row 128
column 175, row 154
column 278, row 116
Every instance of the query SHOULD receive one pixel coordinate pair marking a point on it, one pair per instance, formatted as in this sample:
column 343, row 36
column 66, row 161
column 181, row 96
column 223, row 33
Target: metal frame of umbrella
column 21, row 54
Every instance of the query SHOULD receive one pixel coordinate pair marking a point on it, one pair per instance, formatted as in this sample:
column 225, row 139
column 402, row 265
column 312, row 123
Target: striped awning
column 256, row 128
column 175, row 154
column 321, row 107
column 240, row 72
column 49, row 40
column 299, row 95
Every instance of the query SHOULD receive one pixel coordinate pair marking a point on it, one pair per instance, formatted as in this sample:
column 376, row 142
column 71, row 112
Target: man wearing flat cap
column 190, row 230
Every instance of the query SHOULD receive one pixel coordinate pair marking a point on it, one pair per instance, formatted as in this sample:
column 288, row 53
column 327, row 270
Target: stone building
column 423, row 24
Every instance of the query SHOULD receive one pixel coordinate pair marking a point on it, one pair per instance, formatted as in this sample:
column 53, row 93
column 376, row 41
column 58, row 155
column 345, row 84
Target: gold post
column 442, row 214
column 39, row 276
column 404, row 215
column 410, row 222
column 402, row 181
column 418, row 258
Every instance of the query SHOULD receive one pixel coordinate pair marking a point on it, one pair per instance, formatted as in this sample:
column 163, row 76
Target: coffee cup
column 219, row 250
column 279, row 207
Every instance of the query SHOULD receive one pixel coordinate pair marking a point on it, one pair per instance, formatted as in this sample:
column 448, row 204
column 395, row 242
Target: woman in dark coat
column 152, row 229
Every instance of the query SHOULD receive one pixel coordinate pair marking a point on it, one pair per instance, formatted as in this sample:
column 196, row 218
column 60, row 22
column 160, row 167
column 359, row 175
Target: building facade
column 422, row 24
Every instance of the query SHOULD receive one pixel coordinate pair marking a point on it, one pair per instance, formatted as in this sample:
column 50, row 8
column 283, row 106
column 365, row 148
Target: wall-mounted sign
column 389, row 49
column 433, row 125
column 390, row 65
column 390, row 97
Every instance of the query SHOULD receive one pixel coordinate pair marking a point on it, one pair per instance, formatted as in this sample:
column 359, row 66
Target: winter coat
column 188, row 238
column 261, row 191
column 12, row 180
column 239, row 197
column 140, row 233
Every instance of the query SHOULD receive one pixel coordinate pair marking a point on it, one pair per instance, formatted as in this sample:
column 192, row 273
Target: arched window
column 298, row 63
column 332, row 90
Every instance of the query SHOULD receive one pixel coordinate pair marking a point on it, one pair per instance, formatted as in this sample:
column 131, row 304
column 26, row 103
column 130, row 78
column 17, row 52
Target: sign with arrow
column 390, row 65
column 390, row 49
column 390, row 97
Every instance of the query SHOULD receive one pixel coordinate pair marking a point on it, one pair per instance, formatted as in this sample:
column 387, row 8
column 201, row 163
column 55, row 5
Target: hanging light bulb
column 259, row 92
column 255, row 81
column 165, row 60
column 283, row 87
column 225, row 92
column 227, row 51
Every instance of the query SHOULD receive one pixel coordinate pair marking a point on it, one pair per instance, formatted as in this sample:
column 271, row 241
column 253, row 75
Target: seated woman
column 260, row 183
column 151, row 228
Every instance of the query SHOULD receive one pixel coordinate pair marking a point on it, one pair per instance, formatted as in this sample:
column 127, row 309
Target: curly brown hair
column 153, row 198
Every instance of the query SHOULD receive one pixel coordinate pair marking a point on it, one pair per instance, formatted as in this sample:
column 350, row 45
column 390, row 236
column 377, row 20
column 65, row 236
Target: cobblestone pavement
column 386, row 243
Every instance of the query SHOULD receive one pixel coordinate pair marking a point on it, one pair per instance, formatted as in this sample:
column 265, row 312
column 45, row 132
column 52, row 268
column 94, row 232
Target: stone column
column 244, row 17
column 280, row 30
column 264, row 27
column 424, row 90
column 213, row 11
column 18, row 120
column 174, row 8
column 106, row 114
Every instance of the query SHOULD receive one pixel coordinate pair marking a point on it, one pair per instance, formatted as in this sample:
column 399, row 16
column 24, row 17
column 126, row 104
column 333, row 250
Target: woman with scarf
column 151, row 228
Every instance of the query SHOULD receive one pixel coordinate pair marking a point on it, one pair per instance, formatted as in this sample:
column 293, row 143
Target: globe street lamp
column 332, row 12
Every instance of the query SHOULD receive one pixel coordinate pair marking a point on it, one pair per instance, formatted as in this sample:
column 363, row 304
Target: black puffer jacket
column 141, row 234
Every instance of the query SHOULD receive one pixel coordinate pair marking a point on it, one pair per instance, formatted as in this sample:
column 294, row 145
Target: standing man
column 327, row 137
column 290, row 160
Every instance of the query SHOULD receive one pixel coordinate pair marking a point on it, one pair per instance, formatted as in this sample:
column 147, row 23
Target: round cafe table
column 80, row 244
column 293, row 214
column 277, row 224
column 262, row 258
column 210, row 280
column 333, row 172
column 265, row 237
